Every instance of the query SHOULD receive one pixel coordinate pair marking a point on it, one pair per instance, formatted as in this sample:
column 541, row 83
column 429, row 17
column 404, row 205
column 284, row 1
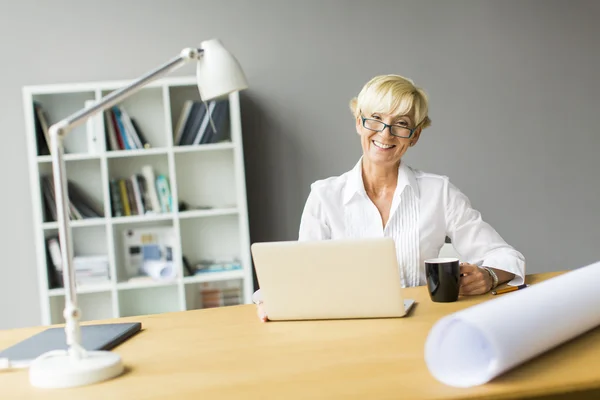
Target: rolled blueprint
column 159, row 270
column 477, row 344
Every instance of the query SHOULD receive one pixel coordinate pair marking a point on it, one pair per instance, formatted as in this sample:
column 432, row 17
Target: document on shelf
column 473, row 346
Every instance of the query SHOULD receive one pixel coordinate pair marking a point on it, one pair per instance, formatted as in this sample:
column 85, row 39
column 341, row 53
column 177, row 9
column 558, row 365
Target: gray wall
column 514, row 102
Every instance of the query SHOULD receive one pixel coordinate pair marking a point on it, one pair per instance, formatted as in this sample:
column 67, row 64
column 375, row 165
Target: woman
column 383, row 196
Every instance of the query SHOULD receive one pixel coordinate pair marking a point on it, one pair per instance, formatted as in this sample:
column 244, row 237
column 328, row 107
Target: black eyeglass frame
column 411, row 130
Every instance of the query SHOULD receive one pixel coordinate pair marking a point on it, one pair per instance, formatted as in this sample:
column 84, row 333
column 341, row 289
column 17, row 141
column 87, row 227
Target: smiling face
column 383, row 147
column 395, row 101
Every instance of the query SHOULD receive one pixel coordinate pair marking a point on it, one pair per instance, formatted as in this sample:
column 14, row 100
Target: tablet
column 93, row 337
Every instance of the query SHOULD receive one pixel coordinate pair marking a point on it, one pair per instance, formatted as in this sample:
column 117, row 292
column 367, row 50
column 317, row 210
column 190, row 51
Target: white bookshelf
column 211, row 175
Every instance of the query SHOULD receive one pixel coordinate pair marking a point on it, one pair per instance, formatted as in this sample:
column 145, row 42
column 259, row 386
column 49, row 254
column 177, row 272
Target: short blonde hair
column 395, row 95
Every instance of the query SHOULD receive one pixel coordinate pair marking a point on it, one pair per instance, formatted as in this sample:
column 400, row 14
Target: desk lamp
column 218, row 74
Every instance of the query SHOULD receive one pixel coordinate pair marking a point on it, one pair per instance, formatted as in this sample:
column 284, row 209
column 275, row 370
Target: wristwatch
column 494, row 277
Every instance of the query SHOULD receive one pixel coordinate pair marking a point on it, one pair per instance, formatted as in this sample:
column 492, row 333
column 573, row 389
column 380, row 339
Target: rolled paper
column 473, row 346
column 159, row 270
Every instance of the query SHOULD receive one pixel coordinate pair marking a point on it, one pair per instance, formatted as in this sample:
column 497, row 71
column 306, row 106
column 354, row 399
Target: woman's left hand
column 474, row 280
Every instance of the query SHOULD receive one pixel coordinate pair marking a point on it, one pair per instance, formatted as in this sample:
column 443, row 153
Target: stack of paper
column 475, row 345
column 91, row 270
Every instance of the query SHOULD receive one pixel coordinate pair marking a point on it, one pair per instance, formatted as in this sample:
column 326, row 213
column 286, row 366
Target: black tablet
column 93, row 337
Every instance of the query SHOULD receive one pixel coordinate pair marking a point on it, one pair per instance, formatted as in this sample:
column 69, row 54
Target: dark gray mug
column 443, row 279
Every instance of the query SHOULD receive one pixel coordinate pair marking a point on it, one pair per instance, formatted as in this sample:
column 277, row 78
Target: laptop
column 330, row 279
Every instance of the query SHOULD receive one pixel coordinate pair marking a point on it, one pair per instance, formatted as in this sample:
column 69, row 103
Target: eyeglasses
column 379, row 126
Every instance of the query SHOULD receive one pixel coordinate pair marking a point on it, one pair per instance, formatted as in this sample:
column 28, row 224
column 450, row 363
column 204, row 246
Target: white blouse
column 425, row 209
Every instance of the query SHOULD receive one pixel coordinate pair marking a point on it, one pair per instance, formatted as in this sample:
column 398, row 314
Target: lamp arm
column 115, row 97
column 57, row 133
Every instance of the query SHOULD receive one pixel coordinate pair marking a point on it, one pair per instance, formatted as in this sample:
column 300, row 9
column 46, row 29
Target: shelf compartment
column 146, row 108
column 123, row 272
column 87, row 241
column 124, row 168
column 84, row 175
column 213, row 238
column 148, row 300
column 57, row 106
column 178, row 95
column 93, row 306
column 214, row 294
column 206, row 179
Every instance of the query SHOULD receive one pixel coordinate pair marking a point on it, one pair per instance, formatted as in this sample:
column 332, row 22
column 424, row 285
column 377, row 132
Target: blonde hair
column 395, row 95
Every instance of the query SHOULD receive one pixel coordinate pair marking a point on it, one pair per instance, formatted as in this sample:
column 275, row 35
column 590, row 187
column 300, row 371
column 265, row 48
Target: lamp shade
column 218, row 71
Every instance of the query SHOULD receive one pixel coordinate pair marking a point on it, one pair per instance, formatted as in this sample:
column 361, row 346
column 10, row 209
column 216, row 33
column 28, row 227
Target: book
column 164, row 193
column 96, row 141
column 193, row 123
column 115, row 198
column 41, row 129
column 149, row 176
column 81, row 205
column 179, row 127
column 128, row 143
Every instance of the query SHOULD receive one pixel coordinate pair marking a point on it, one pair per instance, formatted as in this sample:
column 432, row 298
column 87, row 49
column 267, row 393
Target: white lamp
column 219, row 74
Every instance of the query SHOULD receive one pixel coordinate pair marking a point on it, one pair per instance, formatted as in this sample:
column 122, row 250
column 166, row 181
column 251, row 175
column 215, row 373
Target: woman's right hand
column 260, row 310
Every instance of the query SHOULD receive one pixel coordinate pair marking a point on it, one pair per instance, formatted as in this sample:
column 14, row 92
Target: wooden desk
column 227, row 353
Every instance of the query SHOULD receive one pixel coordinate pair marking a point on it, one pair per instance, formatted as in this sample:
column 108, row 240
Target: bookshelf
column 207, row 220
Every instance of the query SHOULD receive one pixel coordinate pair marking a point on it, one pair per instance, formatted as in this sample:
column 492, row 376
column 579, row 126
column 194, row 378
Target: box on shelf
column 91, row 270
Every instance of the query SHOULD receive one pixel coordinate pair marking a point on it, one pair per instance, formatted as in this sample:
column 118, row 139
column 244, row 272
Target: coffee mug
column 443, row 279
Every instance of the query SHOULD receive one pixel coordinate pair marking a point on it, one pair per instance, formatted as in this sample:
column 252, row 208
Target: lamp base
column 58, row 370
